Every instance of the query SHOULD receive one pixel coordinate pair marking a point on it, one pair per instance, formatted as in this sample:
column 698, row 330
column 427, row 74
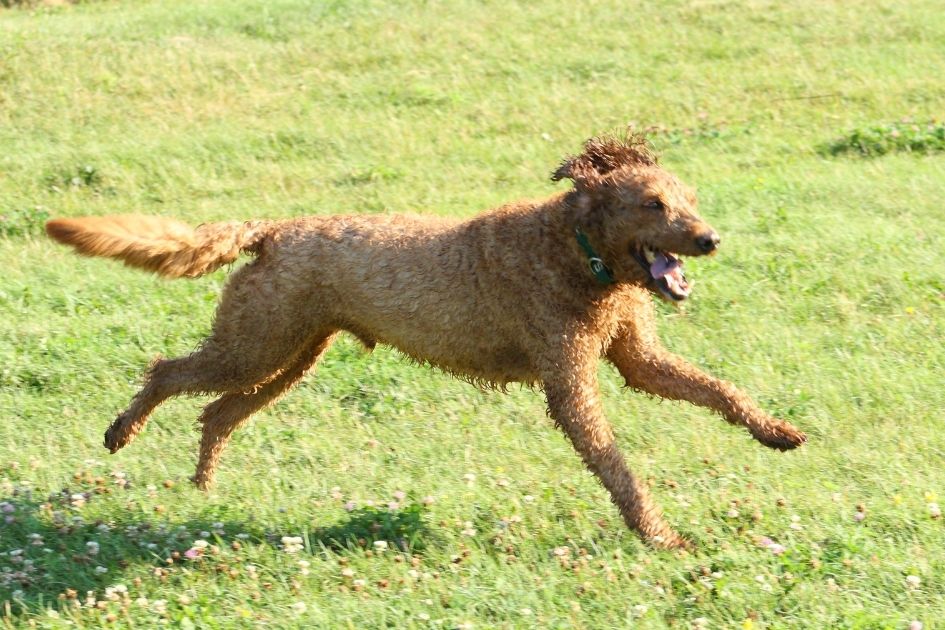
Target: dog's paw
column 116, row 436
column 780, row 435
column 202, row 482
column 111, row 443
column 671, row 541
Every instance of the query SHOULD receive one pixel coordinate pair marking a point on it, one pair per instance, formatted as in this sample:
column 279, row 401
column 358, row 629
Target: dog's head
column 638, row 217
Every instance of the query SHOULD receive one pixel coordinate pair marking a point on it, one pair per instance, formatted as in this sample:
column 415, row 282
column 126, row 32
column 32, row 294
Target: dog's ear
column 582, row 170
column 572, row 168
column 563, row 171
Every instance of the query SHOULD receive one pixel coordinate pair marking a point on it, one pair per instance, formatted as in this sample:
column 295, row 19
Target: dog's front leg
column 647, row 366
column 574, row 404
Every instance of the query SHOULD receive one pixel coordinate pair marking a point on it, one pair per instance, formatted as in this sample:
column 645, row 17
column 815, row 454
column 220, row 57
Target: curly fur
column 506, row 296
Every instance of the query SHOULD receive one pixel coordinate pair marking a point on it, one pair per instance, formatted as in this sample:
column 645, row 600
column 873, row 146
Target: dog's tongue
column 662, row 265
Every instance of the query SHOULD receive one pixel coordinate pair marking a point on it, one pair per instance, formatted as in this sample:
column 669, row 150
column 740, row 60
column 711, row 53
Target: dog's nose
column 708, row 242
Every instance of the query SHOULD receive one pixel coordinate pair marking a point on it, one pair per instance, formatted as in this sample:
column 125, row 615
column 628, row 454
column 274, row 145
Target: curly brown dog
column 533, row 292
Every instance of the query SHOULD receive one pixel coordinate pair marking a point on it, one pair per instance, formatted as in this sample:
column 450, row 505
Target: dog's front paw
column 779, row 435
column 672, row 541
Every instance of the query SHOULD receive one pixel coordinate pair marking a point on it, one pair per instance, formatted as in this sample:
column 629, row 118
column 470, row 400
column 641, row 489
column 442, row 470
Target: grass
column 825, row 302
column 878, row 140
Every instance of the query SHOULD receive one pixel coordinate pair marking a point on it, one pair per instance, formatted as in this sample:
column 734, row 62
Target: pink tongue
column 662, row 266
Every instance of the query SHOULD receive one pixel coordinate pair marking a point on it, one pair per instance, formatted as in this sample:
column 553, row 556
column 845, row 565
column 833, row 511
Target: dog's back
column 434, row 288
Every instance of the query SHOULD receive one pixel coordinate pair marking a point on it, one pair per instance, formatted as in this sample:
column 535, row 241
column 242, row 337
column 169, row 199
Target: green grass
column 825, row 303
column 906, row 135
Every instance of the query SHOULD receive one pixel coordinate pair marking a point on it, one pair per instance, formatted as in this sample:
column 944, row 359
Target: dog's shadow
column 50, row 551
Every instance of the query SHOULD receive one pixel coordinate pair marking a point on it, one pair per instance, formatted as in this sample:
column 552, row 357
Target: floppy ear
column 579, row 169
column 565, row 171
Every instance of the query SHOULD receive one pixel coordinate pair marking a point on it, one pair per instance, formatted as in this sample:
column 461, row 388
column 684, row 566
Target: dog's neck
column 602, row 273
column 566, row 214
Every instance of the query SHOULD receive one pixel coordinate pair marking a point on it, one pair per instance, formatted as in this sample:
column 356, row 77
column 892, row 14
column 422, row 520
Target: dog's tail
column 164, row 246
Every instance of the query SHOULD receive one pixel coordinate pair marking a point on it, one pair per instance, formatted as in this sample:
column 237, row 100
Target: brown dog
column 532, row 292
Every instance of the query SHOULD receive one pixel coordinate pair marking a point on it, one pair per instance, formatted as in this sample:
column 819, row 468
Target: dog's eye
column 653, row 204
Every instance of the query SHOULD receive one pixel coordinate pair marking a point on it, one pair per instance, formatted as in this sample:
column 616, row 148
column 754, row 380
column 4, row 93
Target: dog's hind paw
column 111, row 442
column 117, row 435
column 202, row 482
column 781, row 436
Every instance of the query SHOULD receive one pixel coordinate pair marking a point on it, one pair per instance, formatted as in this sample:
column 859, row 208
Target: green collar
column 598, row 268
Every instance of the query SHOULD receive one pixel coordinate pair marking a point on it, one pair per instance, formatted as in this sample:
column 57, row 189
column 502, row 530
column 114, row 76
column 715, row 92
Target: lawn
column 383, row 494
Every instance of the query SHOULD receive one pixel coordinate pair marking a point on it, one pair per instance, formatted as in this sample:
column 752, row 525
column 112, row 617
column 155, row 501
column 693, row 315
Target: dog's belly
column 449, row 328
column 421, row 287
column 474, row 353
column 497, row 365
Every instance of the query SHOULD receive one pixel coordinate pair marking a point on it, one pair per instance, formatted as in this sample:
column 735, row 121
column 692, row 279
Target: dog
column 533, row 292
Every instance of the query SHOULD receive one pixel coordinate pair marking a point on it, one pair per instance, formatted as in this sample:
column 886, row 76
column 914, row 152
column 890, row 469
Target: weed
column 23, row 221
column 904, row 136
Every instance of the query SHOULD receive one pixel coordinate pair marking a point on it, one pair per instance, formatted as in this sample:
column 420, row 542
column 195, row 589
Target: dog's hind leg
column 226, row 414
column 574, row 404
column 645, row 365
column 256, row 333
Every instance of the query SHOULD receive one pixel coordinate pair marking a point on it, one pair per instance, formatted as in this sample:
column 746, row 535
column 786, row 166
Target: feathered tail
column 164, row 246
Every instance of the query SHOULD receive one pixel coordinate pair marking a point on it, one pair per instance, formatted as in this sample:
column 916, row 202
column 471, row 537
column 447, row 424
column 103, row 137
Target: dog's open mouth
column 666, row 271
